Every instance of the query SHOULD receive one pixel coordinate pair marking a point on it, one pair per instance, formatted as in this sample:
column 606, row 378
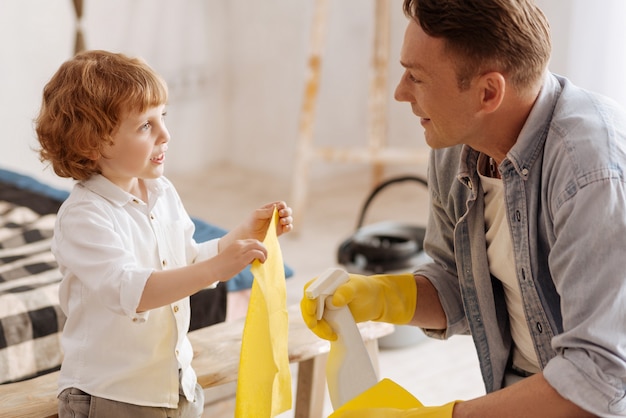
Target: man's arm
column 531, row 397
column 428, row 310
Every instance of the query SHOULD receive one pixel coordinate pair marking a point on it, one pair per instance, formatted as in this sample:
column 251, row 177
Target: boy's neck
column 139, row 190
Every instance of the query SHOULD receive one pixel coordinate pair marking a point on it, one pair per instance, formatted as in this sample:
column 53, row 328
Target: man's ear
column 492, row 87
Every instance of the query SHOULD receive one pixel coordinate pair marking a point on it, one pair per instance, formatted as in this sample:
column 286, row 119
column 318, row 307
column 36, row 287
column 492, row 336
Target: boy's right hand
column 235, row 257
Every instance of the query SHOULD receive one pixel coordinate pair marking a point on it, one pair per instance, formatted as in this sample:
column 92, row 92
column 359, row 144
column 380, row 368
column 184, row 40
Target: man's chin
column 432, row 142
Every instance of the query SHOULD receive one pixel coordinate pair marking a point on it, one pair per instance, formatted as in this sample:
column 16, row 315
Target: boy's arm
column 167, row 286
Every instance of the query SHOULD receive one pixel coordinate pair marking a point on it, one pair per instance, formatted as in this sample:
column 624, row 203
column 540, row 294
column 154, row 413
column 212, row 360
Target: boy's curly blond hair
column 82, row 106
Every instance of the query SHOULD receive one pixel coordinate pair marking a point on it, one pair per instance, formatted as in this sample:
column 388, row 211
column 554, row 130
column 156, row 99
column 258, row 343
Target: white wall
column 34, row 40
column 236, row 70
column 589, row 43
column 597, row 46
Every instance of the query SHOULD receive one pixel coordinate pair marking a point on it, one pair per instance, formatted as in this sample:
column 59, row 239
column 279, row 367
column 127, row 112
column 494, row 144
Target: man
column 527, row 227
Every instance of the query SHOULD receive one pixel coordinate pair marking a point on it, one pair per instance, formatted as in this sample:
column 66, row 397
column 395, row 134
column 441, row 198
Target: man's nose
column 399, row 93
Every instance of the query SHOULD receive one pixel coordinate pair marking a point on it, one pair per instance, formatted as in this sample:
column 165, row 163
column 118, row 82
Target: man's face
column 429, row 85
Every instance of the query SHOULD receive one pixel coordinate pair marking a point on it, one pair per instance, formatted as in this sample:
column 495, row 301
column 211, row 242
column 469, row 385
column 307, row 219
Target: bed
column 30, row 317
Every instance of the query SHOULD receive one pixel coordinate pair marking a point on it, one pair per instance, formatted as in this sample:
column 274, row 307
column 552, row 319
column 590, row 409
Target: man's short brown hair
column 82, row 106
column 508, row 36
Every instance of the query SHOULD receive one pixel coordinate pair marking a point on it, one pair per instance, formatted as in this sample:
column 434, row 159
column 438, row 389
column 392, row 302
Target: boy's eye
column 145, row 126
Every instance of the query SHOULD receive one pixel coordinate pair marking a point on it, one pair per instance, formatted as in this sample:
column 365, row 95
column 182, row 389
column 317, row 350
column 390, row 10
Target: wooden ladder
column 376, row 153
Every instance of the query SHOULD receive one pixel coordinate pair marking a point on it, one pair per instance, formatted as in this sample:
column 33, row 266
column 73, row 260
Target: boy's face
column 138, row 150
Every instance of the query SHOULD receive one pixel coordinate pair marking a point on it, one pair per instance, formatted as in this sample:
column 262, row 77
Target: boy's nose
column 165, row 135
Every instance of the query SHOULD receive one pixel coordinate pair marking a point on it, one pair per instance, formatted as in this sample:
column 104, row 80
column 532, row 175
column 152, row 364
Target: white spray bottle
column 349, row 370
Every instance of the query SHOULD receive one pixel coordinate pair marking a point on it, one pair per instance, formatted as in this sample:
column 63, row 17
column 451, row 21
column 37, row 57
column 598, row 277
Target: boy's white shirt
column 107, row 243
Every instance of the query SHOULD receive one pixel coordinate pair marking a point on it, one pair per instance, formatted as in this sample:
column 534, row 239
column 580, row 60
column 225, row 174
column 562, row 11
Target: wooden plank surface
column 216, row 361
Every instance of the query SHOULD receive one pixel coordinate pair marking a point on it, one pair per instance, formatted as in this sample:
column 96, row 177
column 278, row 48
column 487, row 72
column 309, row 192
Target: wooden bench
column 216, row 362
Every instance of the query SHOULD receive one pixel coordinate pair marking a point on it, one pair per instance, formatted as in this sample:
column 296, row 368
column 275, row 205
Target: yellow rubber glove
column 384, row 297
column 444, row 411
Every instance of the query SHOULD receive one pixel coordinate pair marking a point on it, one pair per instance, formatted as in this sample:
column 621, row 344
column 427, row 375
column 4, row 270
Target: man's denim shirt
column 565, row 197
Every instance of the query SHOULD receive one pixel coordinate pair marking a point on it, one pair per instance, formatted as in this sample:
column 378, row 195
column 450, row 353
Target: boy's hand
column 235, row 257
column 261, row 218
column 255, row 227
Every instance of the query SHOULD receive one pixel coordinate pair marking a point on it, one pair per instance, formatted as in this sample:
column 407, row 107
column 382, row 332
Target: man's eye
column 412, row 78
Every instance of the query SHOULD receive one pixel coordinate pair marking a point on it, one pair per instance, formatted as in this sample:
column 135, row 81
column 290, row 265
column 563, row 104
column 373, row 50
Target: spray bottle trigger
column 324, row 287
column 321, row 302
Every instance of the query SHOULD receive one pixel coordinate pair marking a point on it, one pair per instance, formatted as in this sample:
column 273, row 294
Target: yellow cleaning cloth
column 384, row 394
column 264, row 382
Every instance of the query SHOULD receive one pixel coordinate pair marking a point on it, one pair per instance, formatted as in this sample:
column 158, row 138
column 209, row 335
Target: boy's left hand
column 261, row 218
column 255, row 227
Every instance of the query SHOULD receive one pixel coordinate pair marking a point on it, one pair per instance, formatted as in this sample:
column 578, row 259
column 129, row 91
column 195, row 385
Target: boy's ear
column 94, row 155
column 492, row 87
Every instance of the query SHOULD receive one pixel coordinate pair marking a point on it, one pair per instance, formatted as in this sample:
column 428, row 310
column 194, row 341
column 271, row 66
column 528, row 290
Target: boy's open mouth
column 159, row 158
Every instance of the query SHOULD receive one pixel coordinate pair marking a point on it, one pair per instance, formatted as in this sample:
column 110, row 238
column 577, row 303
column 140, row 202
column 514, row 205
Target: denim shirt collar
column 530, row 141
column 532, row 137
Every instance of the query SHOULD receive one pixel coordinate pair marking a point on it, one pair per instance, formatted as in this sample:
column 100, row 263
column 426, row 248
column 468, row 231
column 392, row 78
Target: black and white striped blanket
column 30, row 317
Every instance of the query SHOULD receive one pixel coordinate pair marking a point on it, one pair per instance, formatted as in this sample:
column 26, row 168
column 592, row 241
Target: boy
column 123, row 243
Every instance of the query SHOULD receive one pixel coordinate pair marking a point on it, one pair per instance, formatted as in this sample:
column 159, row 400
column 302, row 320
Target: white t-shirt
column 502, row 266
column 107, row 243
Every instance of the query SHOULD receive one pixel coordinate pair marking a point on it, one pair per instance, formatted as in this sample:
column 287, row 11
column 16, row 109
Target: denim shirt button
column 539, row 328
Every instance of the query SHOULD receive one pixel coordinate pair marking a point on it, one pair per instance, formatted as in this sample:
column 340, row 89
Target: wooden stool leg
column 378, row 100
column 311, row 388
column 305, row 152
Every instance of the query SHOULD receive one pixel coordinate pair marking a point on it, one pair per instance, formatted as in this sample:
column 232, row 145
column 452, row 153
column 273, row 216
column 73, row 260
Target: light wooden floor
column 434, row 371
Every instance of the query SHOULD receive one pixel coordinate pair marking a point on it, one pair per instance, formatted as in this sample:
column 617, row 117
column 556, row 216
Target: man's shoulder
column 587, row 138
column 578, row 109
